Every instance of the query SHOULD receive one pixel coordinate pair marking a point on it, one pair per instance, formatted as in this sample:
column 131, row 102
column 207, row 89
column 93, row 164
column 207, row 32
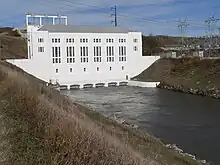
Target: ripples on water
column 192, row 122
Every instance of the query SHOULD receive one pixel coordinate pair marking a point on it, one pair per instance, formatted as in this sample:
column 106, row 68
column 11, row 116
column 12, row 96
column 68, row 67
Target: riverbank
column 40, row 126
column 189, row 75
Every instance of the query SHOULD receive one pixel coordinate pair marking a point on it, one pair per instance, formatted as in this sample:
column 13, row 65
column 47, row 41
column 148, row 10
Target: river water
column 191, row 122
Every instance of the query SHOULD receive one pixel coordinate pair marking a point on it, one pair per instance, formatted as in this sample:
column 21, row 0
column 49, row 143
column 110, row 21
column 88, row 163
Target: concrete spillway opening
column 124, row 83
column 75, row 86
column 88, row 86
column 63, row 87
column 112, row 84
column 99, row 85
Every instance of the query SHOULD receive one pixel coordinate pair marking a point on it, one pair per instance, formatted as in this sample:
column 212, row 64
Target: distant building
column 70, row 54
column 198, row 54
column 168, row 54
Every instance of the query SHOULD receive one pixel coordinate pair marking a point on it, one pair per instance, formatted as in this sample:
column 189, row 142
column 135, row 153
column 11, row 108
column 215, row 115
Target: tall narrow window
column 122, row 53
column 84, row 54
column 135, row 40
column 135, row 48
column 40, row 40
column 56, row 55
column 41, row 49
column 110, row 54
column 97, row 54
column 70, row 54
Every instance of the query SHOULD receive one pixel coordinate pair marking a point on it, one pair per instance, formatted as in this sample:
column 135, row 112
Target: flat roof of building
column 60, row 28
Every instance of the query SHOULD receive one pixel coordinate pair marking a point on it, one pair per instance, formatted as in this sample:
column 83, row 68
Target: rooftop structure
column 41, row 19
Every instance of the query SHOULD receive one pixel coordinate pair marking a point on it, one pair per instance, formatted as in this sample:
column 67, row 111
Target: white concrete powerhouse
column 71, row 55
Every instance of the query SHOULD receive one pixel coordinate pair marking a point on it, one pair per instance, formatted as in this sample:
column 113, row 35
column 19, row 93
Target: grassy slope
column 186, row 72
column 11, row 44
column 39, row 126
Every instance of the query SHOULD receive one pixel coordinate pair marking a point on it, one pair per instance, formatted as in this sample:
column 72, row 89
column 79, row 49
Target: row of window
column 85, row 40
column 122, row 40
column 70, row 40
column 110, row 50
column 40, row 40
column 84, row 69
column 84, row 54
column 55, row 40
column 110, row 40
column 97, row 40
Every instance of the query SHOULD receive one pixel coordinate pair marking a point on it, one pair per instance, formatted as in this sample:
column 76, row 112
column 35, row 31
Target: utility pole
column 211, row 24
column 182, row 26
column 115, row 21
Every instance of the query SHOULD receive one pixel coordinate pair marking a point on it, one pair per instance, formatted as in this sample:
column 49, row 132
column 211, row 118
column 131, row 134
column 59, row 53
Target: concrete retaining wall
column 143, row 84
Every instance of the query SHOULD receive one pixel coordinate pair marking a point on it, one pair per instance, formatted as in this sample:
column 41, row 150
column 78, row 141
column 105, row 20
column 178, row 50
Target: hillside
column 153, row 44
column 185, row 74
column 12, row 45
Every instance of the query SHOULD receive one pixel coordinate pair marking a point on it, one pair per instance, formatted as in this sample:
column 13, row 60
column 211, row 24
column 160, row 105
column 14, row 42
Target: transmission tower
column 115, row 21
column 211, row 28
column 182, row 26
column 218, row 38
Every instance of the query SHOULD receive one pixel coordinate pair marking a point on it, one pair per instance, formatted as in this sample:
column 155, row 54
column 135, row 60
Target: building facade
column 71, row 55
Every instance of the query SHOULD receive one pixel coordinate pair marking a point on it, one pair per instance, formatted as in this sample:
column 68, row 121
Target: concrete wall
column 143, row 84
column 40, row 64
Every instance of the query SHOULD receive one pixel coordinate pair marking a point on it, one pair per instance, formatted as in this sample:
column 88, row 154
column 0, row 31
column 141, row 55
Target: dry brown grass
column 39, row 132
column 186, row 72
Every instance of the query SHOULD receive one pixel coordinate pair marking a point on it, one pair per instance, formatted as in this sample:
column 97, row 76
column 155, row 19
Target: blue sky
column 147, row 16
